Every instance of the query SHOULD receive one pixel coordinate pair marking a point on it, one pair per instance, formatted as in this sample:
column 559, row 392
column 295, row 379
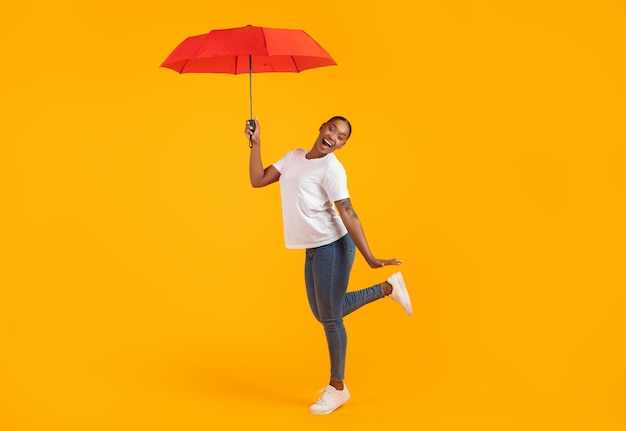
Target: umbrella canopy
column 250, row 50
column 230, row 50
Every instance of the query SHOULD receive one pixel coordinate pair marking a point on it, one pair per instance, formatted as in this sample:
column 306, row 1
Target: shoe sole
column 404, row 293
column 329, row 412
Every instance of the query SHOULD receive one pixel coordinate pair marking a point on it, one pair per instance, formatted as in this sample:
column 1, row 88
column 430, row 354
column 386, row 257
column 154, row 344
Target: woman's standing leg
column 327, row 271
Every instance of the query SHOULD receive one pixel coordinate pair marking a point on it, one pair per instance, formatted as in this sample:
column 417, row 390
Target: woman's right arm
column 259, row 176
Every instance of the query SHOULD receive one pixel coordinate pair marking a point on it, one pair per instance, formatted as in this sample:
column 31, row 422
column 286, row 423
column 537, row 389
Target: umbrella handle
column 252, row 129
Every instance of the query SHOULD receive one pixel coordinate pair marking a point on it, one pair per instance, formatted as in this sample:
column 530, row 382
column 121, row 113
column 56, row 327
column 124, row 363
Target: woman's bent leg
column 358, row 298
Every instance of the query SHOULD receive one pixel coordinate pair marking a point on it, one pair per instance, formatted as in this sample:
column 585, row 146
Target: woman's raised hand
column 253, row 131
column 379, row 263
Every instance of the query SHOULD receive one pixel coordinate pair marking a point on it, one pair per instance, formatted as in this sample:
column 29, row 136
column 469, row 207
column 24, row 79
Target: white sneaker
column 399, row 292
column 330, row 401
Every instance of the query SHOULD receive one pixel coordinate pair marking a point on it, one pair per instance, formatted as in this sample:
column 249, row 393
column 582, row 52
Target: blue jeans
column 326, row 274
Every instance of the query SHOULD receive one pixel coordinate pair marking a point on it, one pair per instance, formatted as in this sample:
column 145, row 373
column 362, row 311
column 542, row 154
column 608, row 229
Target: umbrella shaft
column 251, row 117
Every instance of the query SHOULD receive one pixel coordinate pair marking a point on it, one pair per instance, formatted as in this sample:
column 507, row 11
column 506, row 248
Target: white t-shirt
column 308, row 190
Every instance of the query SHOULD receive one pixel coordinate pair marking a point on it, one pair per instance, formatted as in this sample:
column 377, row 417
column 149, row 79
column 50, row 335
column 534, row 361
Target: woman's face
column 333, row 135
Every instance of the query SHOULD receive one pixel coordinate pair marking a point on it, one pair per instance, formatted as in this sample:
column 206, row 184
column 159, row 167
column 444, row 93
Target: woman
column 318, row 216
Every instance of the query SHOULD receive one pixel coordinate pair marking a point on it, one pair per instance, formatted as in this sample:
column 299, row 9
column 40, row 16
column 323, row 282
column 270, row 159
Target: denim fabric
column 326, row 274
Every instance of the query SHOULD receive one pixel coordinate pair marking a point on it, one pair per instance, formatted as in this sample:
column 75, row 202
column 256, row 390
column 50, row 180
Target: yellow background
column 145, row 285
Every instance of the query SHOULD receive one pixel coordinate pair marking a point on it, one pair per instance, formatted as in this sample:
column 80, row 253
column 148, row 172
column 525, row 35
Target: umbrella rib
column 184, row 65
column 293, row 60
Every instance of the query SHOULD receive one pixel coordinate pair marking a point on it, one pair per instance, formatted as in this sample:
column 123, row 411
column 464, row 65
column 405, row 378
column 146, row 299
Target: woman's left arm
column 355, row 230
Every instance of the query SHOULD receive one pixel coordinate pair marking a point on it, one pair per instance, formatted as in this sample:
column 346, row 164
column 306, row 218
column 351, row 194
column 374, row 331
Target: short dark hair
column 344, row 119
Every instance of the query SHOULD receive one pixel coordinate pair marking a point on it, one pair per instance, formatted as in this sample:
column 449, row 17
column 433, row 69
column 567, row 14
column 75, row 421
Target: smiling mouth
column 327, row 143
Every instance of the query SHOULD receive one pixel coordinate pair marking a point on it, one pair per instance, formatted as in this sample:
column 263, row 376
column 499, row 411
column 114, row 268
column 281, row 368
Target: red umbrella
column 246, row 50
